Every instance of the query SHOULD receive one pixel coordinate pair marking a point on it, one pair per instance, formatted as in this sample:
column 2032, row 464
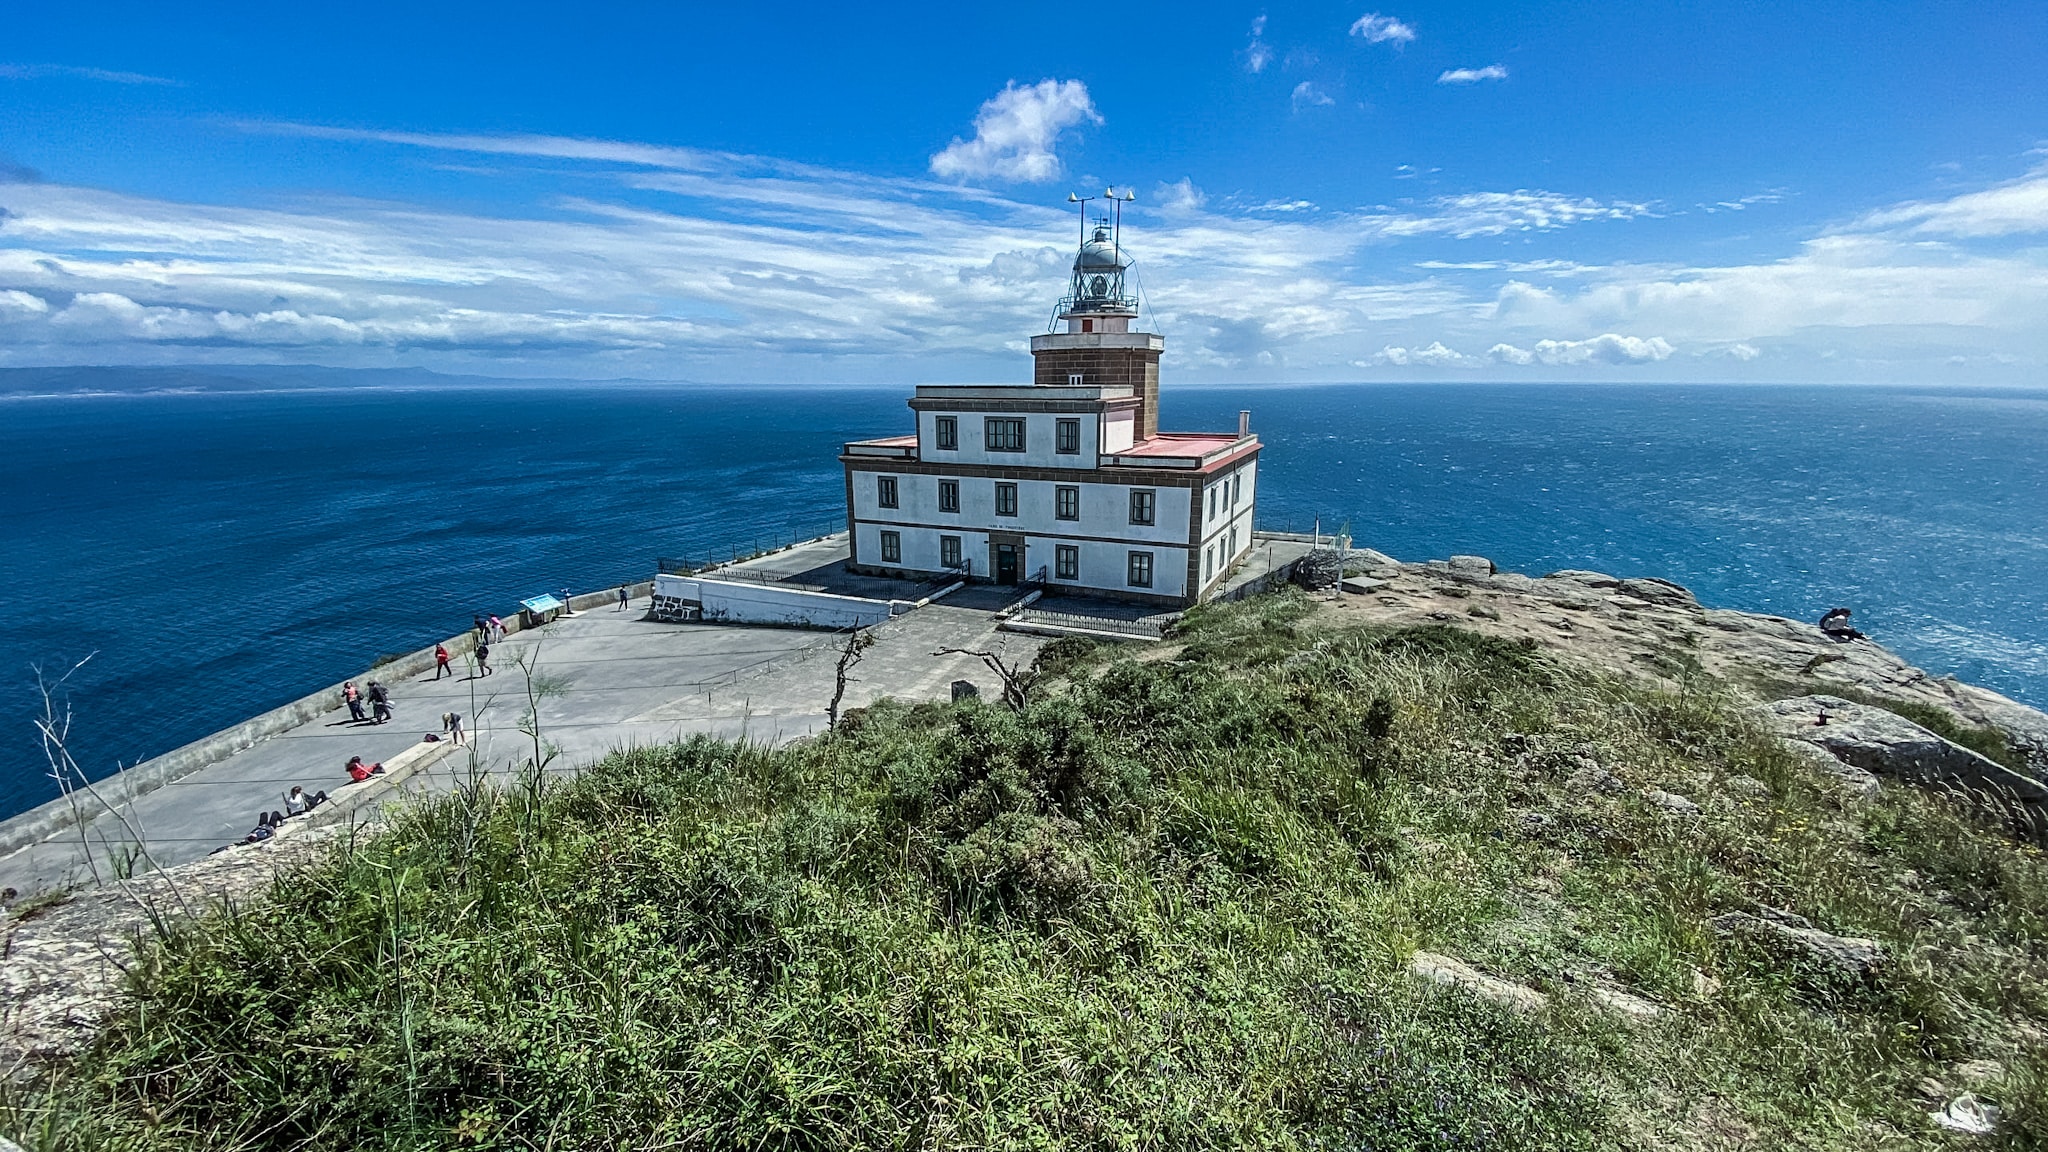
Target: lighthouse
column 1065, row 483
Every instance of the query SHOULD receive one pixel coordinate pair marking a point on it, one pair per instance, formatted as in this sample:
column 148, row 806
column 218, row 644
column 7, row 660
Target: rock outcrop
column 1656, row 628
column 1856, row 957
column 1887, row 744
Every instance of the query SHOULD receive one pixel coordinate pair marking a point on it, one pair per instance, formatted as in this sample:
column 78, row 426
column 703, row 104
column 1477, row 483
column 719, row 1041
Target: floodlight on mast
column 1077, row 198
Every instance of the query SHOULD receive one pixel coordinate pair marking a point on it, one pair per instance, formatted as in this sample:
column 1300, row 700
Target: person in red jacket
column 441, row 661
column 359, row 771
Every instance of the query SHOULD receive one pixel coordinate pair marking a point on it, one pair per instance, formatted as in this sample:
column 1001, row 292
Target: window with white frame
column 1074, row 380
column 949, row 551
column 1144, row 504
column 1006, row 499
column 892, row 547
column 1004, row 433
column 1236, row 488
column 1212, row 503
column 885, row 491
column 948, row 429
column 1066, row 562
column 1139, row 574
column 949, row 495
column 1068, row 438
column 1066, row 502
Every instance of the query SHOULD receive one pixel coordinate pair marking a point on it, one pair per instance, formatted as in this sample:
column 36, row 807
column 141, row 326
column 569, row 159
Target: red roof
column 1179, row 444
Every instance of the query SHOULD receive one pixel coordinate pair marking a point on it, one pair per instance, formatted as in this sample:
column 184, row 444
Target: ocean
column 211, row 555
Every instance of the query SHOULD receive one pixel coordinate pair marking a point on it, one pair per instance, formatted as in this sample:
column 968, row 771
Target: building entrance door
column 1006, row 563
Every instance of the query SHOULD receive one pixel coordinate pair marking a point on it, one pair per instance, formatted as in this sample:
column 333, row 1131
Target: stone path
column 609, row 680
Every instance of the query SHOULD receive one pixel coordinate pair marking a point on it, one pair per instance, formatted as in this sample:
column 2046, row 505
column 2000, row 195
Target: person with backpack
column 354, row 700
column 380, row 702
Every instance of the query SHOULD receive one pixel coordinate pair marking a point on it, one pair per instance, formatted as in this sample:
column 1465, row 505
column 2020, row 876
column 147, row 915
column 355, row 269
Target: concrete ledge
column 352, row 798
column 81, row 806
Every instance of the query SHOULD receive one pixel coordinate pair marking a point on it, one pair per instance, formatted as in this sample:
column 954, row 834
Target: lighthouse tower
column 1098, row 347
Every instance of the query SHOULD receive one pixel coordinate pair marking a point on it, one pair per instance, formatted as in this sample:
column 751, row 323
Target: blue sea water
column 219, row 554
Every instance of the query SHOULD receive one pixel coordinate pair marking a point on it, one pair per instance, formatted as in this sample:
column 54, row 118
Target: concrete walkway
column 608, row 680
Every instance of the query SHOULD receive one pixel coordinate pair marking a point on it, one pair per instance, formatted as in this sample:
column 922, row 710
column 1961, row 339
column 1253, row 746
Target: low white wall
column 744, row 602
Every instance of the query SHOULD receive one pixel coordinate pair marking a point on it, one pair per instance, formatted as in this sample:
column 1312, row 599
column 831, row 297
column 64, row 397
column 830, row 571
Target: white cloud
column 642, row 260
column 1473, row 75
column 2010, row 209
column 1308, row 95
column 1495, row 213
column 1433, row 356
column 1258, row 53
column 1604, row 349
column 103, row 75
column 1374, row 28
column 1744, row 352
column 1015, row 131
column 1180, row 196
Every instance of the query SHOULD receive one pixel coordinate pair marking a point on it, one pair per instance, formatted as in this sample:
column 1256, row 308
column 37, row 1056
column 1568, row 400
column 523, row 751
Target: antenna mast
column 1117, row 235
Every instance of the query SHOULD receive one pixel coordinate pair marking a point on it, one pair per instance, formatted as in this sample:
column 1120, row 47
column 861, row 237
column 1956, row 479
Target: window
column 949, row 551
column 1233, row 542
column 1074, row 378
column 1006, row 499
column 1066, row 502
column 1236, row 488
column 1004, row 434
column 892, row 547
column 1143, row 501
column 1208, row 562
column 1140, row 575
column 1068, row 439
column 1212, row 503
column 1066, row 562
column 885, row 491
column 949, row 495
column 949, row 432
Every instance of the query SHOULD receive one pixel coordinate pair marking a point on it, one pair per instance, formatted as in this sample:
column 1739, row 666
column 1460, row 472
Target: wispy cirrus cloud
column 1015, row 131
column 1473, row 75
column 67, row 72
column 1374, row 28
column 1309, row 94
column 654, row 260
column 1258, row 53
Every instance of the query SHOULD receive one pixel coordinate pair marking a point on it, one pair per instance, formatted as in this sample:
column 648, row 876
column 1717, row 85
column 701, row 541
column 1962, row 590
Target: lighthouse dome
column 1100, row 254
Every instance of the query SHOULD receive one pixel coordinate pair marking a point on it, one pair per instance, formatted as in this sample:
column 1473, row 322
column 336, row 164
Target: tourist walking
column 497, row 630
column 441, row 661
column 451, row 723
column 483, row 660
column 483, row 630
column 353, row 699
column 380, row 702
column 623, row 599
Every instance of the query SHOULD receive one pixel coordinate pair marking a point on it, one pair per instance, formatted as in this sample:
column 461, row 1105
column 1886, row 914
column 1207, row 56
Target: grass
column 1168, row 904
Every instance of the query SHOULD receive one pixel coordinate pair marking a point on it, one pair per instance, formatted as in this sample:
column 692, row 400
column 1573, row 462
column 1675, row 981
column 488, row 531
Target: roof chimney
column 1244, row 423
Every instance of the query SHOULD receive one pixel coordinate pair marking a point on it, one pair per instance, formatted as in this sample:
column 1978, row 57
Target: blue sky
column 785, row 193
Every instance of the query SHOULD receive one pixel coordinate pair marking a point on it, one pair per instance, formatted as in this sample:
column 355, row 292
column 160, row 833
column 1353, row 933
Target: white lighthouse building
column 1064, row 482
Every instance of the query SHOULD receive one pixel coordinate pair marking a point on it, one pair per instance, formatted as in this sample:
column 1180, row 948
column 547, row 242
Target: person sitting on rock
column 298, row 801
column 359, row 772
column 1836, row 625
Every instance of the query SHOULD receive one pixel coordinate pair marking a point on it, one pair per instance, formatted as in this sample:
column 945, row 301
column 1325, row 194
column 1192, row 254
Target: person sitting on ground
column 1836, row 625
column 359, row 772
column 298, row 801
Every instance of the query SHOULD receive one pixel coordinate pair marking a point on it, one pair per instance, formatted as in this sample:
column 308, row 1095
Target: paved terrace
column 617, row 680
